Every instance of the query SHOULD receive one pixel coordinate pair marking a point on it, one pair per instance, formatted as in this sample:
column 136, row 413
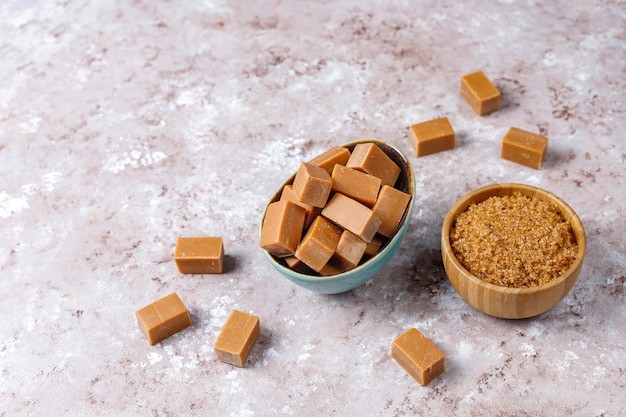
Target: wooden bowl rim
column 389, row 244
column 507, row 189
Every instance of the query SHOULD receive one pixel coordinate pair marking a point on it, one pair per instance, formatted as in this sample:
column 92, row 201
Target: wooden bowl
column 351, row 279
column 506, row 302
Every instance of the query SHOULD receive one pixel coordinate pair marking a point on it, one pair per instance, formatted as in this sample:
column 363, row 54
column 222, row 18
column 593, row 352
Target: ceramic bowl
column 500, row 301
column 351, row 279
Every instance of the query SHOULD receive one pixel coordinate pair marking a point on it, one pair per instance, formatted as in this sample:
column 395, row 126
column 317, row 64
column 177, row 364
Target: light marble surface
column 125, row 124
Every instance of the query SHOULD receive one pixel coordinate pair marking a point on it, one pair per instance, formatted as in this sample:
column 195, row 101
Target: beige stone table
column 126, row 124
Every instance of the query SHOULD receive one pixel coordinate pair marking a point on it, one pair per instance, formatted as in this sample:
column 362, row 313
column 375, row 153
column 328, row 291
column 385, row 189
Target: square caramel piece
column 480, row 93
column 350, row 250
column 337, row 155
column 312, row 185
column 432, row 136
column 524, row 147
column 356, row 184
column 418, row 356
column 390, row 208
column 163, row 318
column 310, row 212
column 282, row 228
column 199, row 255
column 351, row 215
column 369, row 158
column 237, row 338
column 319, row 243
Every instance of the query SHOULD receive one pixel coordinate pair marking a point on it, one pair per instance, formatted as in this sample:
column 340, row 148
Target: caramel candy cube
column 312, row 185
column 163, row 318
column 199, row 255
column 524, row 147
column 350, row 250
column 310, row 212
column 347, row 256
column 353, row 216
column 432, row 136
column 237, row 338
column 374, row 246
column 337, row 155
column 319, row 243
column 282, row 228
column 418, row 356
column 369, row 158
column 390, row 208
column 356, row 184
column 480, row 93
column 297, row 265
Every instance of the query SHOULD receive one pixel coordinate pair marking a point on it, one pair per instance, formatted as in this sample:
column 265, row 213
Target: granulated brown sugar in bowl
column 514, row 241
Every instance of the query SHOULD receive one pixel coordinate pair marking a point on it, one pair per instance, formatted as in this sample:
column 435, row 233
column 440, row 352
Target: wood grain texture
column 505, row 302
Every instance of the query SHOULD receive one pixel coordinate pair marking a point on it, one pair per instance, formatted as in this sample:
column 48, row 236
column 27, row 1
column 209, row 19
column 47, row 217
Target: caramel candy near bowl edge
column 311, row 212
column 319, row 243
column 350, row 250
column 355, row 184
column 369, row 158
column 418, row 356
column 524, row 147
column 337, row 155
column 390, row 208
column 163, row 318
column 480, row 93
column 353, row 216
column 432, row 136
column 237, row 338
column 282, row 228
column 199, row 255
column 312, row 185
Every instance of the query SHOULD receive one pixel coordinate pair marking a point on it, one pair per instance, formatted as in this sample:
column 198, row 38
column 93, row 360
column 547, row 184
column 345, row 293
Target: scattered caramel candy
column 282, row 228
column 237, row 338
column 337, row 155
column 312, row 185
column 524, row 147
column 432, row 136
column 199, row 255
column 390, row 208
column 418, row 356
column 356, row 184
column 369, row 158
column 353, row 216
column 163, row 318
column 319, row 243
column 480, row 93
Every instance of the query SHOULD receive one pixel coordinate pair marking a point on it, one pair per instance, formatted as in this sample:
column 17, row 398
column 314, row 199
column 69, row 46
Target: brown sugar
column 513, row 241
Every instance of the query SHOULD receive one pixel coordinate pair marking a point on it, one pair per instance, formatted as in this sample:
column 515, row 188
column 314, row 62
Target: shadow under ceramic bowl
column 507, row 302
column 349, row 280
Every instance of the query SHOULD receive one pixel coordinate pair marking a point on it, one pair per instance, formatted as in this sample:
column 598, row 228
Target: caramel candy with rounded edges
column 337, row 155
column 432, row 136
column 355, row 184
column 282, row 228
column 369, row 158
column 319, row 243
column 524, row 147
column 390, row 208
column 418, row 356
column 353, row 216
column 199, row 255
column 480, row 93
column 163, row 318
column 237, row 338
column 310, row 212
column 312, row 185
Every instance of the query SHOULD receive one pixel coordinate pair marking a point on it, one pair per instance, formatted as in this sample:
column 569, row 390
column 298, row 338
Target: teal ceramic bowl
column 351, row 279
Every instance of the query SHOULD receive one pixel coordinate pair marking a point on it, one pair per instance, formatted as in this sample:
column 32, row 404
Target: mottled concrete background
column 125, row 124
